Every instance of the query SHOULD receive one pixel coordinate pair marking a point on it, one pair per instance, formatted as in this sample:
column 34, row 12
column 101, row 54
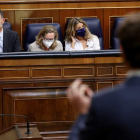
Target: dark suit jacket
column 10, row 41
column 113, row 115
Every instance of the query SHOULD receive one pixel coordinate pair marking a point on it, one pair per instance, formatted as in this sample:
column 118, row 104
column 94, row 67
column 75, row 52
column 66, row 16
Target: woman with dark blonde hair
column 46, row 40
column 78, row 36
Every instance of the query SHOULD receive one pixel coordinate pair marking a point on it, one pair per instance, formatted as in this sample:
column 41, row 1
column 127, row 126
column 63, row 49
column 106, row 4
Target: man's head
column 129, row 35
column 1, row 19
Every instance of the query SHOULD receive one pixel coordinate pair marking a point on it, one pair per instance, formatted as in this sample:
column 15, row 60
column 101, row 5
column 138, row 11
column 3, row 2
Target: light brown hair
column 45, row 30
column 71, row 29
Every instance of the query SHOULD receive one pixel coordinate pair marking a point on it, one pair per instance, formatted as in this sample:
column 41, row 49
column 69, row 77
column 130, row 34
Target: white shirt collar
column 132, row 73
column 79, row 41
column 1, row 34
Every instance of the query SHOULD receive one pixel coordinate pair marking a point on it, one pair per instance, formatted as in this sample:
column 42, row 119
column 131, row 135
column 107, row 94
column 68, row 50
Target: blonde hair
column 45, row 30
column 71, row 29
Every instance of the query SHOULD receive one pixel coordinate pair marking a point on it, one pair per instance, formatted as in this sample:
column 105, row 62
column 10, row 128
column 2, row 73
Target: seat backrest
column 115, row 43
column 33, row 29
column 94, row 26
column 7, row 25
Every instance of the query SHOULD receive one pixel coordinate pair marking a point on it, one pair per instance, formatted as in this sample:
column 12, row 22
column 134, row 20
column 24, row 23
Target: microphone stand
column 28, row 127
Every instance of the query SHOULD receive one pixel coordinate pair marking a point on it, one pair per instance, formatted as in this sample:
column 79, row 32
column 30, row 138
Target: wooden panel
column 10, row 17
column 64, row 83
column 49, row 61
column 46, row 72
column 108, row 60
column 78, row 71
column 104, row 70
column 39, row 105
column 108, row 14
column 121, row 70
column 68, row 5
column 63, row 135
column 9, row 85
column 101, row 85
column 42, row 110
column 51, row 126
column 14, row 73
column 66, row 14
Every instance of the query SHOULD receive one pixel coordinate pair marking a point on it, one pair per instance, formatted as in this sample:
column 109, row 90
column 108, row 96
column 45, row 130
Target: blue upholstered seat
column 33, row 29
column 94, row 26
column 7, row 25
column 115, row 43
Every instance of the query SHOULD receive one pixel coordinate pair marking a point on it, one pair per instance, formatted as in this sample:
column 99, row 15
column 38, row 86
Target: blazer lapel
column 5, row 42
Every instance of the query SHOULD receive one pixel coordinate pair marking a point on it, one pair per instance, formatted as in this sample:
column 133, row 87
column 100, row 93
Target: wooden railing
column 64, row 1
column 34, row 84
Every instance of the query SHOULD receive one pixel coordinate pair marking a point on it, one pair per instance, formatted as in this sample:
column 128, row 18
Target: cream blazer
column 36, row 48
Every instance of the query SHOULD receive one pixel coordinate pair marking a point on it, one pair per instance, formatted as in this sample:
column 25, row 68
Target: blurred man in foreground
column 112, row 114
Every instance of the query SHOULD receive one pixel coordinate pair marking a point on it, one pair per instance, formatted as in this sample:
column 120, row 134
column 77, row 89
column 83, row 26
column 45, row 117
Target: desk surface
column 62, row 54
column 63, row 1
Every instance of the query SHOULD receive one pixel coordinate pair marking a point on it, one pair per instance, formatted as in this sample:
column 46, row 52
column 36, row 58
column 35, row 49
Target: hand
column 73, row 42
column 80, row 96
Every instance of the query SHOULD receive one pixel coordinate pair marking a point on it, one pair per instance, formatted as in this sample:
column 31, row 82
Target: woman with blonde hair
column 46, row 40
column 78, row 36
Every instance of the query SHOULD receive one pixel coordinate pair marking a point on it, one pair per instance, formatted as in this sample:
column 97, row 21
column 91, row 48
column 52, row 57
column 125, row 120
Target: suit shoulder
column 10, row 31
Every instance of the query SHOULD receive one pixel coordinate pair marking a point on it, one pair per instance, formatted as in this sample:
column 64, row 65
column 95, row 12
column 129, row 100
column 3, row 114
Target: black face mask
column 81, row 32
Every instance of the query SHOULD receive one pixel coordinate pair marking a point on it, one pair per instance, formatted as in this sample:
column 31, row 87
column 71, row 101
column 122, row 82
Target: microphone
column 28, row 127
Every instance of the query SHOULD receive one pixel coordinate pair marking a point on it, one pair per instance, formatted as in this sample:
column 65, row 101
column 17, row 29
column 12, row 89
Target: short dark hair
column 1, row 13
column 129, row 35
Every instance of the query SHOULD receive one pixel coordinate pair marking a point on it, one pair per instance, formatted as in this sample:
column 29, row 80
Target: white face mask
column 48, row 43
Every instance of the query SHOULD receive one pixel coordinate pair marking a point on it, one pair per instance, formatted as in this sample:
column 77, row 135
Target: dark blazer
column 113, row 115
column 10, row 41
